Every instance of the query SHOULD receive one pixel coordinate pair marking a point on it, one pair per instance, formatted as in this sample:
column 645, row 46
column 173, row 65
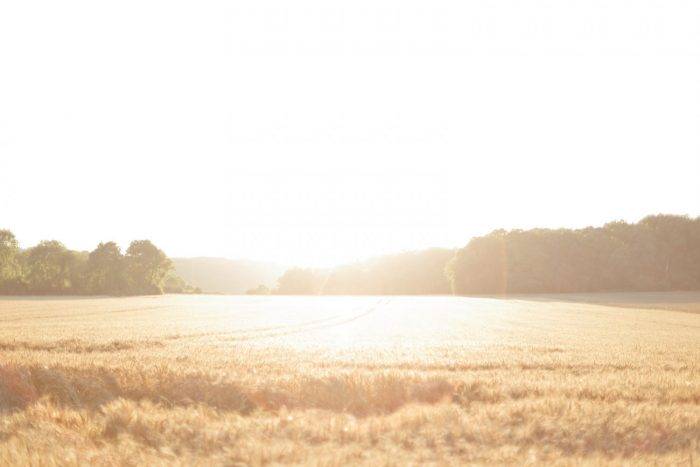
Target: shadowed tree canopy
column 106, row 270
column 9, row 266
column 148, row 266
column 659, row 253
column 49, row 268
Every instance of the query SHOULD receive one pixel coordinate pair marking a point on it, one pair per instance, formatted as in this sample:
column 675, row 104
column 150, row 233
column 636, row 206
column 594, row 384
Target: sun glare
column 362, row 233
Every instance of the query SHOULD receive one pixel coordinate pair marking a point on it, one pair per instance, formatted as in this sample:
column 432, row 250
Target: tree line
column 50, row 268
column 659, row 253
column 409, row 273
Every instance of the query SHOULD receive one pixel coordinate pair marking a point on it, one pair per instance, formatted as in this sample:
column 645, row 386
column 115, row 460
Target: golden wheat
column 182, row 380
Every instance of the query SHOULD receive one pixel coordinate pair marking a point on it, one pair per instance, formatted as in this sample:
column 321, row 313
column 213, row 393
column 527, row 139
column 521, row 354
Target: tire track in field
column 251, row 330
column 284, row 329
column 305, row 329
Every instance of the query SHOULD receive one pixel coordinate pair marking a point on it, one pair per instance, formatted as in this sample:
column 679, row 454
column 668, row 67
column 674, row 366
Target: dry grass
column 328, row 381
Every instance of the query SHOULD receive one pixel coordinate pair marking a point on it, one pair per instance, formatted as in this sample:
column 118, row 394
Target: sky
column 317, row 132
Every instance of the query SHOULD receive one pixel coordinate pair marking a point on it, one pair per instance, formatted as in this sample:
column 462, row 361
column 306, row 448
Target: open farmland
column 350, row 380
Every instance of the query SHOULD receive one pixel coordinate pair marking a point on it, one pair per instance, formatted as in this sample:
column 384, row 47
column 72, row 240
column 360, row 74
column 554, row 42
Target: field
column 201, row 380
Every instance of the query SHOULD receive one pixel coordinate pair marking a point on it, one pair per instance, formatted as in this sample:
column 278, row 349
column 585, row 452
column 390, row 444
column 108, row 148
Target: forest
column 50, row 268
column 659, row 253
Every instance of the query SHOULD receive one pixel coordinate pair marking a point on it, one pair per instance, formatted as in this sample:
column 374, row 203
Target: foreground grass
column 329, row 381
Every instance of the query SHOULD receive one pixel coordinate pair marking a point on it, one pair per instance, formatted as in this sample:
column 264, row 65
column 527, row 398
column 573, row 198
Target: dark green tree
column 106, row 270
column 147, row 267
column 51, row 268
column 658, row 253
column 9, row 261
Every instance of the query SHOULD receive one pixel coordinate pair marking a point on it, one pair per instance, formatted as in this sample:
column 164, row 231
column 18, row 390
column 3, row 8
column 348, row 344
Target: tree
column 106, row 272
column 51, row 268
column 259, row 290
column 9, row 266
column 479, row 268
column 298, row 281
column 407, row 273
column 176, row 284
column 147, row 267
column 658, row 253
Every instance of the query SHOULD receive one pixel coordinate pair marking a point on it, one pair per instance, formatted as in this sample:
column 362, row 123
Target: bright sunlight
column 368, row 233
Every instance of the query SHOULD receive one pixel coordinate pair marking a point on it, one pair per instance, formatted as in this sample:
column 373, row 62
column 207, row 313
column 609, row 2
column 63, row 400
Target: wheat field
column 213, row 380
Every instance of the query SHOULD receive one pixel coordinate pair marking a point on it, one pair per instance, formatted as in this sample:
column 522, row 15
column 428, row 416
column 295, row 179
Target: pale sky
column 320, row 132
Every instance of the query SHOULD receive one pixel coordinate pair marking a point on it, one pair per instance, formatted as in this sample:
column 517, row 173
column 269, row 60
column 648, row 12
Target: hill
column 227, row 276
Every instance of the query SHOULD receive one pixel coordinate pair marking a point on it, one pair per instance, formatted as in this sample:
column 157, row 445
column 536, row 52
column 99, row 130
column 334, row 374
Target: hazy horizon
column 273, row 262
